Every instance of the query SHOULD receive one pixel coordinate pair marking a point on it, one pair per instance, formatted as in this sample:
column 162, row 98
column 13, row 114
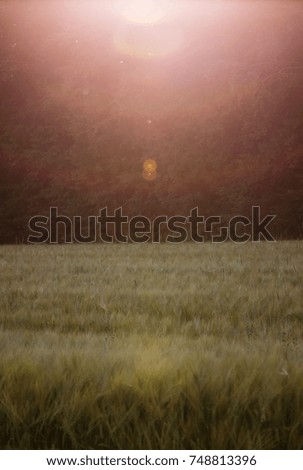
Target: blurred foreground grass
column 151, row 346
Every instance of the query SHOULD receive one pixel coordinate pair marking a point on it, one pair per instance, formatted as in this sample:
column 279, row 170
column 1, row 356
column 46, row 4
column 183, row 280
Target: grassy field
column 151, row 346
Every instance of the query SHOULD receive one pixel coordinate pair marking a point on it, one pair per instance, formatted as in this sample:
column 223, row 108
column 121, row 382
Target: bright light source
column 148, row 42
column 141, row 11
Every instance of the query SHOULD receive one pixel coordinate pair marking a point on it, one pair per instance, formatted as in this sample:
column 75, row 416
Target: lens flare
column 149, row 170
column 149, row 176
column 150, row 165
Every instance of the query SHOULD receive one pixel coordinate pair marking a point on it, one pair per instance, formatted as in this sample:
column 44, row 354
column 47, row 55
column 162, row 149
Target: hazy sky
column 211, row 91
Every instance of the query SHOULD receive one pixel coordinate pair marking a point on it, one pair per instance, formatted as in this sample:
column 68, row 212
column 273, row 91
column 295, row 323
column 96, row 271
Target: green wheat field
column 151, row 346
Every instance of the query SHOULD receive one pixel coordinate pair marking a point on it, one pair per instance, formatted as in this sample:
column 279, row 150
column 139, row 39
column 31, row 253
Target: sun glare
column 141, row 11
column 147, row 28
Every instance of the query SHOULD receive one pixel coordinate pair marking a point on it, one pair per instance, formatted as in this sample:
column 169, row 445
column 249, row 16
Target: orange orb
column 150, row 166
column 149, row 176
